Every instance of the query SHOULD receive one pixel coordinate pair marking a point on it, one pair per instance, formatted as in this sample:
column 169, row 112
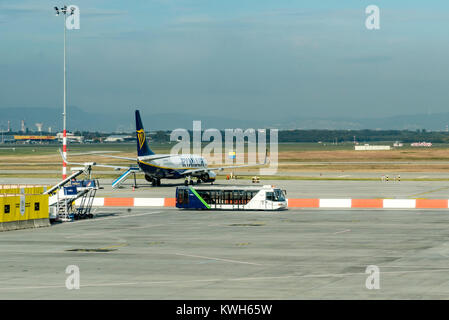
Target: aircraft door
column 213, row 199
column 269, row 197
column 235, row 200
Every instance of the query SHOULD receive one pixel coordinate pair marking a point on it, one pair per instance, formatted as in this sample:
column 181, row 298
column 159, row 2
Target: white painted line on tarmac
column 115, row 217
column 347, row 230
column 128, row 216
column 218, row 259
column 335, row 203
column 144, row 227
column 149, row 283
column 113, row 230
column 399, row 203
column 85, row 235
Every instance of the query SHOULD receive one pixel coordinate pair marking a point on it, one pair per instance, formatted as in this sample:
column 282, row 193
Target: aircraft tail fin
column 142, row 144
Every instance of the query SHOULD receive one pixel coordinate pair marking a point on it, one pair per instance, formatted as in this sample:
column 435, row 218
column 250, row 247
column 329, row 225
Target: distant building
column 119, row 138
column 8, row 138
column 421, row 144
column 367, row 147
column 27, row 138
column 70, row 137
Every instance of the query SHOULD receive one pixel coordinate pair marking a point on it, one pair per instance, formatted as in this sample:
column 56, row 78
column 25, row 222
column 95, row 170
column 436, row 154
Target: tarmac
column 295, row 188
column 166, row 253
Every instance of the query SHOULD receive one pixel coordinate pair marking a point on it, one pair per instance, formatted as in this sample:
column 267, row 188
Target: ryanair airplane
column 163, row 166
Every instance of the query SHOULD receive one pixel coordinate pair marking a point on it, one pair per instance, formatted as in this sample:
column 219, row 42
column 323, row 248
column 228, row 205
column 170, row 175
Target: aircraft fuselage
column 171, row 166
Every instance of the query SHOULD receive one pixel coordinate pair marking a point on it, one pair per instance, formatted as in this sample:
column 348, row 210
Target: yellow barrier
column 24, row 188
column 19, row 211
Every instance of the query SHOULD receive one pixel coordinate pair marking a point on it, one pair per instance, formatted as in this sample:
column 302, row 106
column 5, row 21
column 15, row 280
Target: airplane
column 163, row 166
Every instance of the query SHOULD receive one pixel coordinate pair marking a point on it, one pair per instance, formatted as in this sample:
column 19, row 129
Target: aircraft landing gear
column 188, row 181
column 155, row 182
column 205, row 177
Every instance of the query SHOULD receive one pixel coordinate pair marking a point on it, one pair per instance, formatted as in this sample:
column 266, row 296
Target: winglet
column 62, row 155
column 77, row 163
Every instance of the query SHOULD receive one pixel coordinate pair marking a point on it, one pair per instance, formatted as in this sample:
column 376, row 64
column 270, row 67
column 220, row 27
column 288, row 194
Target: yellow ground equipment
column 22, row 210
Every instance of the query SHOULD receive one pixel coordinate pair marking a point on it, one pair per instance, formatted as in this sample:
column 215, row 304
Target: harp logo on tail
column 141, row 137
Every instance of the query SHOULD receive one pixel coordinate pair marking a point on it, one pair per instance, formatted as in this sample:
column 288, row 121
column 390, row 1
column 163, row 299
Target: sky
column 236, row 58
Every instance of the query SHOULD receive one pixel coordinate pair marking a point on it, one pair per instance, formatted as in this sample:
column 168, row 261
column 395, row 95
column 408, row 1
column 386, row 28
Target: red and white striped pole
column 64, row 152
column 64, row 133
column 64, row 11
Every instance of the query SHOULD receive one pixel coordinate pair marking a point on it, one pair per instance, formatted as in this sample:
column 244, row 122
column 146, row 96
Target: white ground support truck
column 267, row 198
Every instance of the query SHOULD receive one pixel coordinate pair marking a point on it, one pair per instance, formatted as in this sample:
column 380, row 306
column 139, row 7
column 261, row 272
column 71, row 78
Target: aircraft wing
column 94, row 164
column 241, row 166
column 193, row 171
column 117, row 157
column 101, row 154
column 156, row 157
column 147, row 158
column 92, row 153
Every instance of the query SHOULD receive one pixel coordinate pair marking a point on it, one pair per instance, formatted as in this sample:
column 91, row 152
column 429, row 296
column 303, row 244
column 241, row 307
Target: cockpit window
column 278, row 195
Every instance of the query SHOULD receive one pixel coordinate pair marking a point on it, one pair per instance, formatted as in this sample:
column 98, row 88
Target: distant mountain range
column 433, row 122
column 78, row 119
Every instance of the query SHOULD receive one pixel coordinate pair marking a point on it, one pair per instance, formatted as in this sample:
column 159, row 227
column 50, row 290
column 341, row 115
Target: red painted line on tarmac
column 299, row 203
column 118, row 202
column 431, row 204
column 169, row 202
column 367, row 203
column 303, row 203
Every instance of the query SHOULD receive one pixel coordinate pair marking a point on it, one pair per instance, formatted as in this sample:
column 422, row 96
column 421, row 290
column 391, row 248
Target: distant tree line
column 330, row 136
column 324, row 136
column 362, row 136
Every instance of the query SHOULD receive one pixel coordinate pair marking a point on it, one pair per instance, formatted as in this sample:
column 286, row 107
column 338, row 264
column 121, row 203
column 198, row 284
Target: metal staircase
column 120, row 179
column 72, row 199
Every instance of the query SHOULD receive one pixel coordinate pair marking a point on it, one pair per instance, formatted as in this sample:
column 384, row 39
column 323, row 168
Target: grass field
column 294, row 158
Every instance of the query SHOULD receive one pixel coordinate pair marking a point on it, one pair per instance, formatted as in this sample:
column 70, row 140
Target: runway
column 171, row 254
column 165, row 253
column 312, row 189
column 294, row 188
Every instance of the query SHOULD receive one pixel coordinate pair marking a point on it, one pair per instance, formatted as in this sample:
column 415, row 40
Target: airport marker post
column 64, row 10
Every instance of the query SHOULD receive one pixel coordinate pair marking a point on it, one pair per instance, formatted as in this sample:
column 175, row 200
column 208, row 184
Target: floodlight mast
column 64, row 114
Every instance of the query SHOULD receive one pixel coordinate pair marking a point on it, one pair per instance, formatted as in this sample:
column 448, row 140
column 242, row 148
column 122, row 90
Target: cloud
column 194, row 19
column 26, row 9
column 102, row 13
column 367, row 59
column 19, row 9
